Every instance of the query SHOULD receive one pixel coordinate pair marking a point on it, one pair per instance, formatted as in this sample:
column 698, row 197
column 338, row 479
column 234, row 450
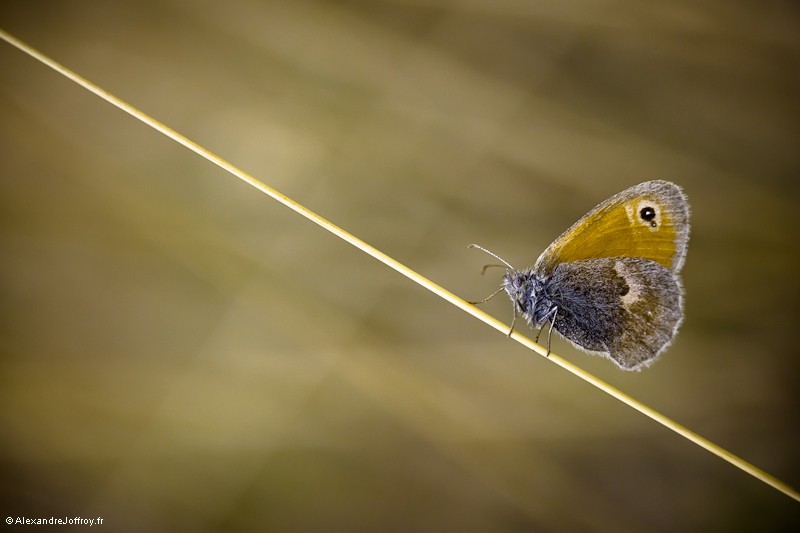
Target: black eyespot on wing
column 648, row 214
column 625, row 289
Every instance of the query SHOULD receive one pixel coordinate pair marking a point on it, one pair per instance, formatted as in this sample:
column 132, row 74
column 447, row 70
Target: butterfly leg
column 549, row 317
column 495, row 293
column 550, row 331
column 513, row 321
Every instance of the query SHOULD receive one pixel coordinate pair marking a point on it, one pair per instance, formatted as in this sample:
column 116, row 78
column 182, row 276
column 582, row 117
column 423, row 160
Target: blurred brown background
column 181, row 352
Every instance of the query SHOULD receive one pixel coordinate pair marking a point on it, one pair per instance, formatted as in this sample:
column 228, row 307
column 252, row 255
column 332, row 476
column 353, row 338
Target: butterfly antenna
column 506, row 263
column 483, row 270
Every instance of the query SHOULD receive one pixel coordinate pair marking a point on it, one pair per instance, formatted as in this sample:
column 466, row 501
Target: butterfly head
column 527, row 292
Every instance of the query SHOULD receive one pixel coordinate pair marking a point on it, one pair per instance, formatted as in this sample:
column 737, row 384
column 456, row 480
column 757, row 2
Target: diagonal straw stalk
column 404, row 270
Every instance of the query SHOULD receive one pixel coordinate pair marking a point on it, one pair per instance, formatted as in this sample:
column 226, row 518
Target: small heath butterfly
column 610, row 283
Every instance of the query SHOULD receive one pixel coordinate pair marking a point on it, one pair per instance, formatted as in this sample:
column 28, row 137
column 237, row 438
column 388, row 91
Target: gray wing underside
column 627, row 309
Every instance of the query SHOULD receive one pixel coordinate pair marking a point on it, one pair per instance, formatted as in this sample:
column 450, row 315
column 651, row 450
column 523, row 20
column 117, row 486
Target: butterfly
column 610, row 284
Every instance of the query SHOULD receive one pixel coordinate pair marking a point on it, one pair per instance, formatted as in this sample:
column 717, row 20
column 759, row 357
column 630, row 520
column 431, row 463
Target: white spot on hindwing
column 634, row 292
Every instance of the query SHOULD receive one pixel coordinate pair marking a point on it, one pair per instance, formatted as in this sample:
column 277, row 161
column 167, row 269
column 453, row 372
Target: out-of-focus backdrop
column 181, row 352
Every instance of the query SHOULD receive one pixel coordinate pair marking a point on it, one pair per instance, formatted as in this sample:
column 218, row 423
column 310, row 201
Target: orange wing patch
column 650, row 221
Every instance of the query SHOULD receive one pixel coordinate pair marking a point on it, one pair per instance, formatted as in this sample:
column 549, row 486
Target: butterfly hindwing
column 627, row 309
